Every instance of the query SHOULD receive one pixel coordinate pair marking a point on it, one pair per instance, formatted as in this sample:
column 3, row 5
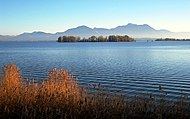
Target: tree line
column 172, row 39
column 111, row 38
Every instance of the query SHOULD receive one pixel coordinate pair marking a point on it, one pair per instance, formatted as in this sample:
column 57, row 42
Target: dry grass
column 60, row 97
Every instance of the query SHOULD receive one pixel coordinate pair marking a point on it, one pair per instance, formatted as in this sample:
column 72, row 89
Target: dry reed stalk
column 60, row 96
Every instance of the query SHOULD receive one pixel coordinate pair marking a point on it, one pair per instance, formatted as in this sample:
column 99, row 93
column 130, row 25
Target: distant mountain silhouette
column 132, row 30
column 82, row 31
column 40, row 36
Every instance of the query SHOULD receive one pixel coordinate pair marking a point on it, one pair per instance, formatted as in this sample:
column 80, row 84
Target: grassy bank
column 60, row 97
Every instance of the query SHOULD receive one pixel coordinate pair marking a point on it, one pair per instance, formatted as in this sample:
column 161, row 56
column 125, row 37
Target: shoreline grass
column 60, row 97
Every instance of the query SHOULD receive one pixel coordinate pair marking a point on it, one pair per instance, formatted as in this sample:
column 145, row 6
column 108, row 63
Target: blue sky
column 18, row 16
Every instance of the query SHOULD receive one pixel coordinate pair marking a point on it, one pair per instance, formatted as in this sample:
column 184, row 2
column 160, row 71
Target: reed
column 60, row 97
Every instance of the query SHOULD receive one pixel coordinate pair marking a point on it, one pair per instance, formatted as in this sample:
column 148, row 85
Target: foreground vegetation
column 60, row 97
column 111, row 38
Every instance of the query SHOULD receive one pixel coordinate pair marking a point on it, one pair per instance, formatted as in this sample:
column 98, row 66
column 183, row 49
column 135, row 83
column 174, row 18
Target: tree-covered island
column 111, row 38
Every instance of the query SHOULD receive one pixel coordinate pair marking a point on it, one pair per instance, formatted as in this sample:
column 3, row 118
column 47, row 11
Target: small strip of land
column 171, row 39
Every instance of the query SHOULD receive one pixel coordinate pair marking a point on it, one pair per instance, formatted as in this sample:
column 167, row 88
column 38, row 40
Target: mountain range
column 132, row 30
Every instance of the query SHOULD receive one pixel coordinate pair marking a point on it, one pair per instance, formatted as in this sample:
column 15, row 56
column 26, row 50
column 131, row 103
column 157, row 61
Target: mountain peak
column 35, row 32
column 38, row 32
column 84, row 27
column 82, row 31
column 131, row 24
column 146, row 25
column 136, row 25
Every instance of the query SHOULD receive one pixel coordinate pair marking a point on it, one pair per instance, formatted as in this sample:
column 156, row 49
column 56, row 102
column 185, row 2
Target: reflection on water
column 134, row 68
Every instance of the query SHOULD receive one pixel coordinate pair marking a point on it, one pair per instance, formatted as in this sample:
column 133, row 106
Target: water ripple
column 133, row 68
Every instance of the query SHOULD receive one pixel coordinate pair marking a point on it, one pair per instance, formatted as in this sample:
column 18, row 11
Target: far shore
column 135, row 40
column 27, row 41
column 172, row 39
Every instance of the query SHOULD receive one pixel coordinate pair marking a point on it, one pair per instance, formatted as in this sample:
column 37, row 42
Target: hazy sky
column 18, row 16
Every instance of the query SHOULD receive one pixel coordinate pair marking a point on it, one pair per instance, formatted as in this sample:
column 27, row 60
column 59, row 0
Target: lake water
column 133, row 67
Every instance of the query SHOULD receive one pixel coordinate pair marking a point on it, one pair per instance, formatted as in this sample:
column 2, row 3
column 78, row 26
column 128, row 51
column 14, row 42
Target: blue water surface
column 130, row 67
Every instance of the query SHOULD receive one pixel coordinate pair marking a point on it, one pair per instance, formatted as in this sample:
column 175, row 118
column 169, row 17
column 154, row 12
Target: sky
column 18, row 16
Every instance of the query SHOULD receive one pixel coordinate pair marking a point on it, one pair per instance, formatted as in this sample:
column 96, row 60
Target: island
column 171, row 39
column 111, row 38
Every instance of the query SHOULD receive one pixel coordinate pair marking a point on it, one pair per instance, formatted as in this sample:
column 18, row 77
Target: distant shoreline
column 25, row 41
column 135, row 40
column 172, row 39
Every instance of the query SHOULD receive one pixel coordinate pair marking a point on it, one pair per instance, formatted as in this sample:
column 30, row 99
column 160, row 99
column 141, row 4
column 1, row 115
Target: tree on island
column 68, row 39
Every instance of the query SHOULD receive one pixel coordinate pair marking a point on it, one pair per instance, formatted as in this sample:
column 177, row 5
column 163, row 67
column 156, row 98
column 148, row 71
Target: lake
column 130, row 67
